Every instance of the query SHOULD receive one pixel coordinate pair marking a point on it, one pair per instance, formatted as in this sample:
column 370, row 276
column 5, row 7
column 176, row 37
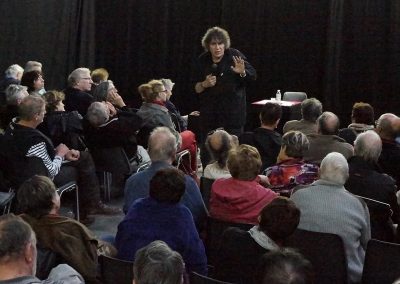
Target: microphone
column 214, row 69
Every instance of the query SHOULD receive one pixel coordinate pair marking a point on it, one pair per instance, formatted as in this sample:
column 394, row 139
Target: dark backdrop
column 339, row 51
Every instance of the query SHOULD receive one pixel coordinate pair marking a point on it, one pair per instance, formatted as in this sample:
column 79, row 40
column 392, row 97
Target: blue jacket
column 149, row 220
column 137, row 186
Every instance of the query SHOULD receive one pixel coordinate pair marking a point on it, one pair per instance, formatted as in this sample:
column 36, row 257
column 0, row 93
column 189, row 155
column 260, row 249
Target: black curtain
column 58, row 33
column 338, row 51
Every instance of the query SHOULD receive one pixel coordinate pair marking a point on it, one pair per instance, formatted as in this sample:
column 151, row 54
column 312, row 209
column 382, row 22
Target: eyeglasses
column 86, row 78
column 163, row 91
column 215, row 130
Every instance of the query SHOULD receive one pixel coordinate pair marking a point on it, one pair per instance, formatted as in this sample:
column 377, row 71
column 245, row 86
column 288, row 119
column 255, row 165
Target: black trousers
column 82, row 171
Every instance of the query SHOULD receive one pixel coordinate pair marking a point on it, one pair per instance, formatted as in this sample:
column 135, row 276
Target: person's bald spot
column 388, row 126
column 216, row 139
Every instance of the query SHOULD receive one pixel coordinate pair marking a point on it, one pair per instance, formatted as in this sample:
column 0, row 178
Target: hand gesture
column 239, row 67
column 72, row 155
column 116, row 99
column 61, row 150
column 111, row 108
column 210, row 81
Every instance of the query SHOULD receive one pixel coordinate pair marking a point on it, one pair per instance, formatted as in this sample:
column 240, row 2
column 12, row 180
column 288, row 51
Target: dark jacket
column 225, row 103
column 77, row 100
column 267, row 142
column 367, row 180
column 389, row 160
column 64, row 127
column 119, row 131
column 238, row 257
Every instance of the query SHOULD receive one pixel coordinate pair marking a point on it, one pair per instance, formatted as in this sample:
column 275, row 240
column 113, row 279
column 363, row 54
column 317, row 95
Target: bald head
column 218, row 145
column 388, row 126
column 162, row 145
column 328, row 123
column 368, row 145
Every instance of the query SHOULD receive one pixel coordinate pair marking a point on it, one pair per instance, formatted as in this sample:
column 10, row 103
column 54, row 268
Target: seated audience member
column 291, row 170
column 30, row 142
column 162, row 151
column 241, row 251
column 76, row 95
column 106, row 92
column 107, row 128
column 99, row 75
column 14, row 96
column 327, row 207
column 61, row 126
column 39, row 202
column 182, row 120
column 239, row 199
column 366, row 180
column 171, row 222
column 154, row 113
column 158, row 263
column 18, row 256
column 362, row 119
column 388, row 128
column 311, row 109
column 326, row 140
column 285, row 266
column 265, row 138
column 218, row 144
column 34, row 81
column 13, row 75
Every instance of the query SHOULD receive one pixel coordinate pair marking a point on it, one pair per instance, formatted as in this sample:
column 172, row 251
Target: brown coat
column 70, row 239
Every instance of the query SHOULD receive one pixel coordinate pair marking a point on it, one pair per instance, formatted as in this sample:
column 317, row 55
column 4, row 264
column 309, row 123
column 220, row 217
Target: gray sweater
column 329, row 208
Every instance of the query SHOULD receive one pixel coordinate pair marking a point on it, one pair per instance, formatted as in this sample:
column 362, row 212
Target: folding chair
column 196, row 278
column 115, row 270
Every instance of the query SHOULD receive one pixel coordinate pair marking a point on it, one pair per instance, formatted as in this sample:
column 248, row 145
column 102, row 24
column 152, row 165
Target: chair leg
column 107, row 179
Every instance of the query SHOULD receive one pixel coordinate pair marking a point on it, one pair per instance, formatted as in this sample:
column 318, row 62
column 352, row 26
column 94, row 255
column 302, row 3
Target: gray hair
column 33, row 66
column 77, row 75
column 311, row 109
column 334, row 168
column 97, row 114
column 219, row 150
column 215, row 33
column 295, row 143
column 162, row 144
column 30, row 106
column 13, row 70
column 15, row 234
column 328, row 123
column 15, row 94
column 368, row 145
column 168, row 84
column 158, row 263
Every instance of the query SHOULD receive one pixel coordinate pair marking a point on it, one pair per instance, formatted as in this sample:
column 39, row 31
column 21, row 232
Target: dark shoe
column 87, row 220
column 103, row 209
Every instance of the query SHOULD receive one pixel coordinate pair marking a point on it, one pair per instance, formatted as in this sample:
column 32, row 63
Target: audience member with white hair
column 13, row 75
column 367, row 180
column 327, row 207
column 14, row 96
column 158, row 263
column 77, row 95
column 33, row 66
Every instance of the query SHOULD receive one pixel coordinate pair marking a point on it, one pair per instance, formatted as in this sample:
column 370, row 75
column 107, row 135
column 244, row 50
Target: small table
column 282, row 103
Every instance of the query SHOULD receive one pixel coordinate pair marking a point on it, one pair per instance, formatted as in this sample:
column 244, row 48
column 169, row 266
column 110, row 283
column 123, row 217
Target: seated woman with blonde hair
column 239, row 199
column 154, row 113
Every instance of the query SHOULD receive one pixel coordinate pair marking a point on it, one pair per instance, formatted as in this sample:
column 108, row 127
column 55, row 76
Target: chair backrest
column 115, row 271
column 205, row 190
column 382, row 262
column 46, row 261
column 325, row 252
column 215, row 230
column 112, row 160
column 294, row 96
column 196, row 278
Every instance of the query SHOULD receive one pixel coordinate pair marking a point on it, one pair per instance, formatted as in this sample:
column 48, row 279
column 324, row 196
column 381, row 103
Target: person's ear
column 29, row 252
